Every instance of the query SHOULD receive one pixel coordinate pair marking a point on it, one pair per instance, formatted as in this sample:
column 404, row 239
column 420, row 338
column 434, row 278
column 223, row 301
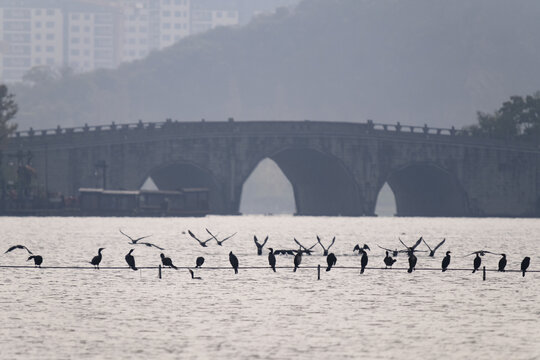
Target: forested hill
column 415, row 61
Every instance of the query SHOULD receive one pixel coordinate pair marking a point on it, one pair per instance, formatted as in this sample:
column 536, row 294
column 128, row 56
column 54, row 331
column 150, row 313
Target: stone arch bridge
column 335, row 168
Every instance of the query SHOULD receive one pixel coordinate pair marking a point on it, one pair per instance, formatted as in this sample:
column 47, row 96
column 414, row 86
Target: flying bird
column 412, row 248
column 325, row 250
column 220, row 243
column 131, row 260
column 525, row 264
column 18, row 247
column 199, row 262
column 259, row 245
column 97, row 259
column 166, row 261
column 133, row 241
column 234, row 262
column 202, row 243
column 308, row 251
column 388, row 260
column 481, row 253
column 446, row 261
column 38, row 260
column 272, row 259
column 331, row 261
column 432, row 251
column 394, row 252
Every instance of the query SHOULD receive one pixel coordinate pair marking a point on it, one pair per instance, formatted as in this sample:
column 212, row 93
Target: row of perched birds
column 331, row 258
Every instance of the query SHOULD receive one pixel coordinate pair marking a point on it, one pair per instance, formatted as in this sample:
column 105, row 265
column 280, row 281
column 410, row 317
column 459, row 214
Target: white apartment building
column 91, row 34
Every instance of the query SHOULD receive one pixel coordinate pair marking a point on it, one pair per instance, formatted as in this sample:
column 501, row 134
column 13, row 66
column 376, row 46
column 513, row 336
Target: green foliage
column 517, row 118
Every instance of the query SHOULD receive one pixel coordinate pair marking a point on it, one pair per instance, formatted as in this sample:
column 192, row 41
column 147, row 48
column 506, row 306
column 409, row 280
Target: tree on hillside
column 518, row 117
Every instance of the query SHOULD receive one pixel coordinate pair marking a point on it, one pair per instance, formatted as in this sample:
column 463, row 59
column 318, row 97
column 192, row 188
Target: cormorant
column 259, row 246
column 97, row 259
column 432, row 251
column 193, row 277
column 446, row 261
column 412, row 261
column 325, row 250
column 234, row 262
column 388, row 261
column 525, row 264
column 308, row 251
column 202, row 243
column 413, row 248
column 272, row 259
column 502, row 263
column 297, row 260
column 18, row 247
column 130, row 260
column 477, row 262
column 166, row 261
column 331, row 261
column 38, row 260
column 364, row 260
column 360, row 249
column 199, row 262
column 220, row 243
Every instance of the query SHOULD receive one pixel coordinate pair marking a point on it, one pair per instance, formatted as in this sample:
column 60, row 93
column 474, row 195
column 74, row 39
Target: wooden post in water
column 159, row 271
column 319, row 272
column 484, row 273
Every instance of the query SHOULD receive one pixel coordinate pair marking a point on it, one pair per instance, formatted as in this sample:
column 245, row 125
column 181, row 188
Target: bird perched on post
column 131, row 260
column 412, row 261
column 364, row 260
column 272, row 259
column 97, row 259
column 297, row 260
column 388, row 260
column 38, row 260
column 331, row 261
column 166, row 261
column 446, row 261
column 477, row 262
column 525, row 264
column 199, row 262
column 502, row 263
column 234, row 262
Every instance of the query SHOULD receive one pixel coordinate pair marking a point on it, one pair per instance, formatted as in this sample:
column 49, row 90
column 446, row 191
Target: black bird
column 193, row 277
column 412, row 261
column 502, row 263
column 220, row 243
column 360, row 249
column 481, row 253
column 412, row 248
column 304, row 249
column 364, row 260
column 477, row 262
column 525, row 264
column 97, row 259
column 297, row 260
column 446, row 261
column 272, row 259
column 136, row 241
column 202, row 243
column 234, row 262
column 432, row 251
column 38, row 260
column 259, row 245
column 199, row 262
column 325, row 250
column 166, row 261
column 18, row 247
column 131, row 260
column 331, row 261
column 388, row 261
column 394, row 252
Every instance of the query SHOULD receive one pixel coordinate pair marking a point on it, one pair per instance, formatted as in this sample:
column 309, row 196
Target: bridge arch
column 322, row 185
column 184, row 174
column 426, row 189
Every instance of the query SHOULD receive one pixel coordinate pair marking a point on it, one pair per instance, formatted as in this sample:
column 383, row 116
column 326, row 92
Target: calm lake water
column 112, row 314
